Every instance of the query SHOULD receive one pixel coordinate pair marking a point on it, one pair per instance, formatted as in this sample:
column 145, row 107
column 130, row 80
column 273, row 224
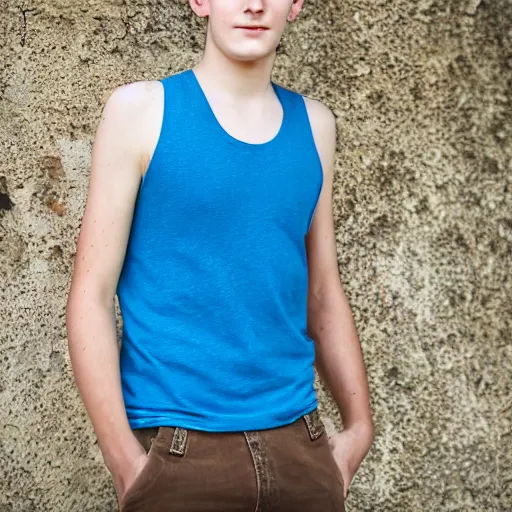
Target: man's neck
column 235, row 79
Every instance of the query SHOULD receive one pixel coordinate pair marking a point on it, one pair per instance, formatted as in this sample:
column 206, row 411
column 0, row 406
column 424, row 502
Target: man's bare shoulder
column 323, row 126
column 135, row 110
column 322, row 118
column 132, row 99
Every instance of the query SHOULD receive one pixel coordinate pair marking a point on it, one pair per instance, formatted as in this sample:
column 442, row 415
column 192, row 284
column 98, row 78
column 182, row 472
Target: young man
column 209, row 213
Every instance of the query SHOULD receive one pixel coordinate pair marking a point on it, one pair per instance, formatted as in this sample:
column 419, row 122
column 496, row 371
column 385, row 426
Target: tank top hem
column 226, row 424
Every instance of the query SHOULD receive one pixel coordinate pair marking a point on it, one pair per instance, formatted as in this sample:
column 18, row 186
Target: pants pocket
column 147, row 477
column 318, row 439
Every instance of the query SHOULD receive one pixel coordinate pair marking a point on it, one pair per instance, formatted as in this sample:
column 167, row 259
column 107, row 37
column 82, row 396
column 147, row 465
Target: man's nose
column 255, row 5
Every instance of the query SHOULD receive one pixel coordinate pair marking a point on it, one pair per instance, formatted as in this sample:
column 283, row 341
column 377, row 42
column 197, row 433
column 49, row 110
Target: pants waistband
column 177, row 437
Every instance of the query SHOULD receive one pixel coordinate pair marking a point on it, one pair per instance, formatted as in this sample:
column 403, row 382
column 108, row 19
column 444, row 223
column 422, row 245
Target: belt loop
column 314, row 423
column 179, row 441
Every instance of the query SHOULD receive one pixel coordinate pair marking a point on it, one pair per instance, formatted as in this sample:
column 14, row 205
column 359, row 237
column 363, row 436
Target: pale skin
column 235, row 73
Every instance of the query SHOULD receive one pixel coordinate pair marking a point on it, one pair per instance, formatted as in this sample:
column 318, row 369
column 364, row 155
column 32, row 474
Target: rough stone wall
column 423, row 212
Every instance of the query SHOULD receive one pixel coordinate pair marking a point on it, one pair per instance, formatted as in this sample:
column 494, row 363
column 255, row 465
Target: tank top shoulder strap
column 175, row 92
column 174, row 109
column 289, row 99
column 299, row 125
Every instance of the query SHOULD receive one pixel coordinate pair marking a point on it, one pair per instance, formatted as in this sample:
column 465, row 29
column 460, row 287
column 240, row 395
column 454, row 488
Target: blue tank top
column 213, row 288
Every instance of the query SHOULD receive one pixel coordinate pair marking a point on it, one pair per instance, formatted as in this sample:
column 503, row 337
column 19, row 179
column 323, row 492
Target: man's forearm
column 339, row 360
column 95, row 360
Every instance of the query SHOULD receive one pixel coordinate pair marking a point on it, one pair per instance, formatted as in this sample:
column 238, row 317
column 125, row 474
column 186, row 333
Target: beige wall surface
column 423, row 210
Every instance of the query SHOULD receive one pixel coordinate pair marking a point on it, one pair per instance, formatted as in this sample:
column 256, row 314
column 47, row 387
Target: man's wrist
column 119, row 450
column 362, row 426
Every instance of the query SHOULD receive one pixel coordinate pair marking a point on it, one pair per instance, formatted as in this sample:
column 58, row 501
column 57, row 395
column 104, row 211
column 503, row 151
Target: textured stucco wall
column 423, row 211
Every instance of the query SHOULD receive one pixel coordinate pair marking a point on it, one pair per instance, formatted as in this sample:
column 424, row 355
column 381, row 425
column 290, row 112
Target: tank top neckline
column 222, row 131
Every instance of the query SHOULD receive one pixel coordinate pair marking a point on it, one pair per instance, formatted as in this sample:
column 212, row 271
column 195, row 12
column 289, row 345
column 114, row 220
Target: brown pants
column 284, row 469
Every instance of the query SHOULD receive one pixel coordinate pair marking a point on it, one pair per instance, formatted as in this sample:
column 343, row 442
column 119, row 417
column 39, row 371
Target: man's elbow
column 326, row 299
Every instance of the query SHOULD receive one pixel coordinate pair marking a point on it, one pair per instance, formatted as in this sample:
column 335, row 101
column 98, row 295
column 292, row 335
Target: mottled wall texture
column 423, row 210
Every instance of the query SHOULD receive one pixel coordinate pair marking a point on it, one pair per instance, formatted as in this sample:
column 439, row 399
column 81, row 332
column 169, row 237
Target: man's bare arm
column 338, row 356
column 90, row 317
column 339, row 360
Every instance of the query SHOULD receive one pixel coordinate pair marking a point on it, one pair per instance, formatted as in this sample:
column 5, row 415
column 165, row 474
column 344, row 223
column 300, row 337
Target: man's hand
column 349, row 447
column 125, row 474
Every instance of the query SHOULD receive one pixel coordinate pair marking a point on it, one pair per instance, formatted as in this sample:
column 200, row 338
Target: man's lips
column 253, row 27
